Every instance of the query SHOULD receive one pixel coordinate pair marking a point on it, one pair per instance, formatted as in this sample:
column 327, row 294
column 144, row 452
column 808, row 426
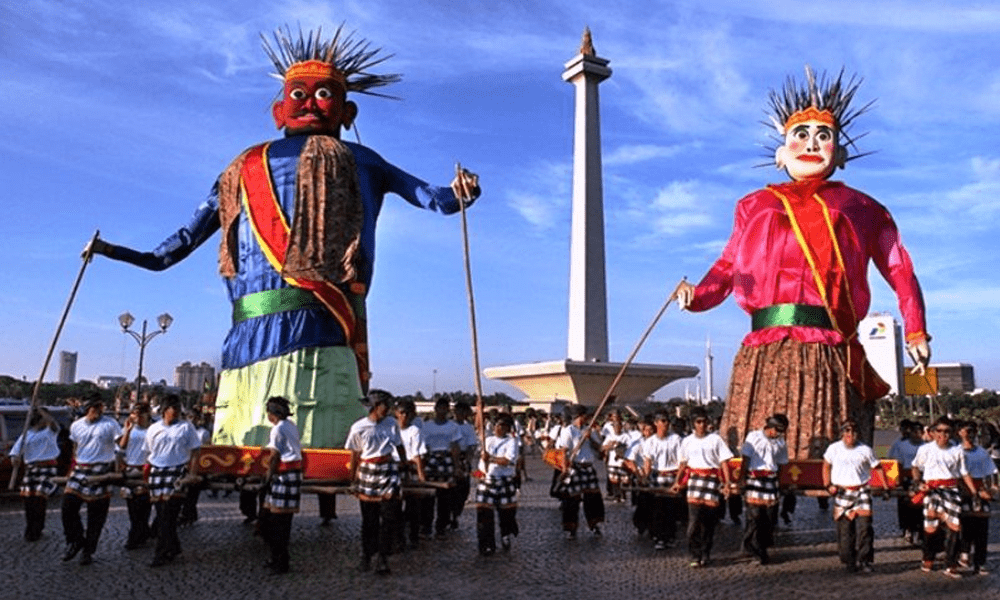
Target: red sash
column 270, row 227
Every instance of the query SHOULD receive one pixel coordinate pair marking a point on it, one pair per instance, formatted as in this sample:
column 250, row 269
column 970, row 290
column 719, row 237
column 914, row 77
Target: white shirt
column 469, row 437
column 413, row 442
column 707, row 452
column 373, row 439
column 850, row 466
column 637, row 450
column 663, row 453
column 171, row 445
column 135, row 452
column 95, row 442
column 501, row 447
column 764, row 453
column 284, row 439
column 568, row 438
column 38, row 445
column 935, row 462
column 611, row 442
column 438, row 437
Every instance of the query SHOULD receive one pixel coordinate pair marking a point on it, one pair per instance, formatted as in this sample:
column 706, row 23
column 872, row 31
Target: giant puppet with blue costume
column 298, row 217
column 797, row 262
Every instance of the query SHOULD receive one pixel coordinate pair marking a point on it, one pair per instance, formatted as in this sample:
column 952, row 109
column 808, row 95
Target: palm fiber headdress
column 343, row 57
column 826, row 99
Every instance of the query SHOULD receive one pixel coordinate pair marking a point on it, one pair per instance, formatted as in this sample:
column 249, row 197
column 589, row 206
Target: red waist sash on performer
column 938, row 483
column 704, row 472
column 378, row 460
column 762, row 473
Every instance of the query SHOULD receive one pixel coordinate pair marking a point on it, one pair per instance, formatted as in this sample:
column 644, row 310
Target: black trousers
column 486, row 529
column 758, row 532
column 702, row 520
column 248, row 504
column 378, row 526
column 327, row 506
column 168, row 545
column 97, row 514
column 975, row 536
column 943, row 539
column 642, row 517
column 440, row 504
column 139, row 509
column 855, row 540
column 34, row 516
column 412, row 515
column 664, row 517
column 460, row 493
column 593, row 510
column 276, row 529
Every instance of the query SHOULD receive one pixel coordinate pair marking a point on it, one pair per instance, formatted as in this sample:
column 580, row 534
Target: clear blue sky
column 119, row 116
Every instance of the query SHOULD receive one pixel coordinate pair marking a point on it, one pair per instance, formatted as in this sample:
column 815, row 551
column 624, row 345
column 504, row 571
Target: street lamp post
column 125, row 320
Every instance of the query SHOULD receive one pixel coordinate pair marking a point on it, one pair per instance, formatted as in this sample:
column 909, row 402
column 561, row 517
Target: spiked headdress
column 827, row 99
column 344, row 58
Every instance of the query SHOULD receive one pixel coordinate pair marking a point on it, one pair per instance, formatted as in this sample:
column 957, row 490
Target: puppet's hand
column 920, row 352
column 95, row 246
column 684, row 294
column 466, row 186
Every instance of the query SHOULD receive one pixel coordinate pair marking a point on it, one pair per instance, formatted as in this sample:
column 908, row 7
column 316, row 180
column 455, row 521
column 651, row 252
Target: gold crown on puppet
column 344, row 58
column 827, row 99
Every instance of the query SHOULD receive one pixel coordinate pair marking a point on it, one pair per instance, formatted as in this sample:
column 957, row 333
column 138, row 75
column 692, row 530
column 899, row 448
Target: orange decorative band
column 810, row 114
column 314, row 69
column 917, row 336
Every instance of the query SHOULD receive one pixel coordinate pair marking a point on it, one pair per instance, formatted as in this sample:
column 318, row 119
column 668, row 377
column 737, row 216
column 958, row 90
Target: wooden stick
column 465, row 195
column 618, row 378
column 48, row 357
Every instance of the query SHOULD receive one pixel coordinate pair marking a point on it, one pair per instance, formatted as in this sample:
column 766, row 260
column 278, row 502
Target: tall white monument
column 585, row 375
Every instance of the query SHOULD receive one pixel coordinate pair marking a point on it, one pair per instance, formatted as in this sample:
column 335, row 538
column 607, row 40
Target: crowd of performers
column 412, row 479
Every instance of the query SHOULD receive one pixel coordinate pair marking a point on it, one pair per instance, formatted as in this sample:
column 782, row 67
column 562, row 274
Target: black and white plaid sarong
column 704, row 489
column 378, row 479
column 285, row 492
column 77, row 483
column 852, row 502
column 582, row 478
column 762, row 490
column 440, row 466
column 617, row 474
column 500, row 492
column 163, row 482
column 942, row 504
column 662, row 479
column 37, row 480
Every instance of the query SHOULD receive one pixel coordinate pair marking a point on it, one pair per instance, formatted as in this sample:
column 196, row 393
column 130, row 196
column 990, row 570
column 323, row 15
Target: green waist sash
column 269, row 302
column 784, row 315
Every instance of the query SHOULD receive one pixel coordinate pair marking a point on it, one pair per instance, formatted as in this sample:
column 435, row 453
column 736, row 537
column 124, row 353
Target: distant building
column 67, row 367
column 110, row 381
column 194, row 378
column 882, row 337
column 955, row 377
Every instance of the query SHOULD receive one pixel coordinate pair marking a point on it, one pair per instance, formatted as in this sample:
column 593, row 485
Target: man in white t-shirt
column 764, row 452
column 847, row 469
column 976, row 514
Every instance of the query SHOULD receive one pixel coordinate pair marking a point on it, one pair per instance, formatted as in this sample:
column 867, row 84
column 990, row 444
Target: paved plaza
column 222, row 559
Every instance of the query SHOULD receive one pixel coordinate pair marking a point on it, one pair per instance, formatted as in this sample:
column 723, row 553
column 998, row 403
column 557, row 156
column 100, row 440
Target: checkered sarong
column 851, row 502
column 77, row 485
column 440, row 466
column 942, row 504
column 617, row 474
column 762, row 490
column 583, row 478
column 133, row 491
column 285, row 492
column 378, row 480
column 662, row 479
column 163, row 482
column 500, row 492
column 704, row 489
column 37, row 480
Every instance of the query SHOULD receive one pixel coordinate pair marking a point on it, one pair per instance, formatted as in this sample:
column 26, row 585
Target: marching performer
column 416, row 452
column 497, row 488
column 375, row 474
column 441, row 437
column 283, row 483
column 38, row 448
column 93, row 436
column 580, row 483
column 764, row 451
column 297, row 217
column 172, row 444
column 133, row 455
column 661, row 459
column 976, row 511
column 797, row 262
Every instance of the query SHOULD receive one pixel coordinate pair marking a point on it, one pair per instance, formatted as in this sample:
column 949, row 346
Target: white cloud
column 636, row 153
column 543, row 199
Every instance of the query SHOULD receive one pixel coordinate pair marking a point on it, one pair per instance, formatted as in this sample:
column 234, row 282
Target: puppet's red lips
column 307, row 116
column 810, row 158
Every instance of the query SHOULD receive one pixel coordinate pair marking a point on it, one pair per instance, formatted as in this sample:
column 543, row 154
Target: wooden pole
column 52, row 347
column 466, row 196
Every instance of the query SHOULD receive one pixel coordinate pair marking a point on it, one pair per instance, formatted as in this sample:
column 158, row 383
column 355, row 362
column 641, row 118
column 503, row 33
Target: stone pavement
column 222, row 559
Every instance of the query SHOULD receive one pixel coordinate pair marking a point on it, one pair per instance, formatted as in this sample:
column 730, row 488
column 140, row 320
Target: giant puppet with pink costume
column 797, row 262
column 297, row 249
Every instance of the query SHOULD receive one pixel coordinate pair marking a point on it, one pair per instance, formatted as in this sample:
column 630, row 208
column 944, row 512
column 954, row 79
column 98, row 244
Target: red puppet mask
column 314, row 100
